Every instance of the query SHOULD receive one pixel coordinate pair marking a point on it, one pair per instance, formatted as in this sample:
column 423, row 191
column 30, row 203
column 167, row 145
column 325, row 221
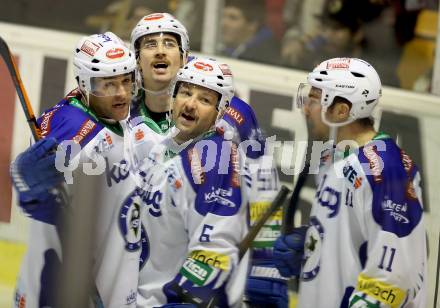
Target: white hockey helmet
column 101, row 55
column 160, row 23
column 208, row 73
column 352, row 79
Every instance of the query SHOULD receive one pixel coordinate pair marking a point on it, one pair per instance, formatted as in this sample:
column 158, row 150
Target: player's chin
column 120, row 113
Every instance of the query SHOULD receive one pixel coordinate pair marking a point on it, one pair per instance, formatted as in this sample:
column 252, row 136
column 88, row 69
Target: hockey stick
column 7, row 57
column 66, row 295
column 290, row 208
column 255, row 229
column 243, row 247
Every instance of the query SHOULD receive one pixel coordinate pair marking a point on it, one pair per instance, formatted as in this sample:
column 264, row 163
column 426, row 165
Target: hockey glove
column 261, row 292
column 33, row 172
column 363, row 302
column 288, row 252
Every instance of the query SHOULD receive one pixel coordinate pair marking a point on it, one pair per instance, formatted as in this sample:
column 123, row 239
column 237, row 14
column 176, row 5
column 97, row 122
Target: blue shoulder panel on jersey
column 212, row 168
column 390, row 173
column 241, row 116
column 66, row 122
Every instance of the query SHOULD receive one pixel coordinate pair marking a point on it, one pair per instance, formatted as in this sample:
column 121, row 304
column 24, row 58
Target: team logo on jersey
column 89, row 48
column 312, row 249
column 130, row 222
column 115, row 53
column 203, row 66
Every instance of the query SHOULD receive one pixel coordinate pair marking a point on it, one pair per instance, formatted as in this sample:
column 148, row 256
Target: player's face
column 159, row 60
column 234, row 26
column 312, row 111
column 111, row 96
column 194, row 111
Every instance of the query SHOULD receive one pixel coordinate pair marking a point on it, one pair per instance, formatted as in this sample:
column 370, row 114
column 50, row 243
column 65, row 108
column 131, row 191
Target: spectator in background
column 341, row 35
column 244, row 33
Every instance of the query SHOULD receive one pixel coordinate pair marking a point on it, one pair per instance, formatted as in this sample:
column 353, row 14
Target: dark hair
column 365, row 122
column 252, row 10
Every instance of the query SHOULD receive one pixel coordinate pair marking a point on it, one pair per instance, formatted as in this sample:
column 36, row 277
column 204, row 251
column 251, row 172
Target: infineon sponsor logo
column 196, row 271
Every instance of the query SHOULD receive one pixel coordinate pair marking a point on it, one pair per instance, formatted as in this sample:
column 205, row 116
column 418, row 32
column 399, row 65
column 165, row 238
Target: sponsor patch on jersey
column 385, row 293
column 195, row 162
column 352, row 176
column 104, row 143
column 196, row 271
column 20, row 300
column 203, row 66
column 115, row 53
column 235, row 176
column 220, row 196
column 173, row 177
column 370, row 152
column 410, row 190
column 211, row 258
column 408, row 163
column 225, row 69
column 340, row 63
column 139, row 135
column 86, row 128
column 235, row 115
column 89, row 48
column 399, row 212
column 45, row 123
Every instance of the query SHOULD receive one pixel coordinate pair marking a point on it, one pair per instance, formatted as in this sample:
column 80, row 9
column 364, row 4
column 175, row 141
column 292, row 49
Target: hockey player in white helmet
column 149, row 124
column 365, row 245
column 87, row 119
column 196, row 207
column 161, row 45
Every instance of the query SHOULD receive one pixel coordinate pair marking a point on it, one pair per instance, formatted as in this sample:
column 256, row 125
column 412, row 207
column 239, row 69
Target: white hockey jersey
column 261, row 177
column 195, row 215
column 118, row 232
column 366, row 237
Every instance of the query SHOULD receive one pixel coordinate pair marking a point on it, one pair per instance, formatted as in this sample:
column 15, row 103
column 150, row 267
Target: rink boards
column 44, row 58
